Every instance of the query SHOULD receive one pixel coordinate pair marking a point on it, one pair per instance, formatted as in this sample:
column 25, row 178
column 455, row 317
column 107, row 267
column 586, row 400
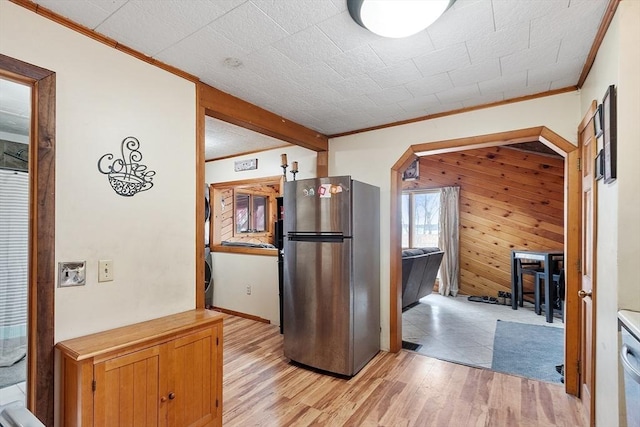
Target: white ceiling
column 225, row 140
column 308, row 61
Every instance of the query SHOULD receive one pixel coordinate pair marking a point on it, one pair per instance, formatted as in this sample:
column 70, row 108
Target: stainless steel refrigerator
column 331, row 273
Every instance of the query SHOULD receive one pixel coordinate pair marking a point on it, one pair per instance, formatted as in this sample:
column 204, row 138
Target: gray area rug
column 13, row 374
column 530, row 351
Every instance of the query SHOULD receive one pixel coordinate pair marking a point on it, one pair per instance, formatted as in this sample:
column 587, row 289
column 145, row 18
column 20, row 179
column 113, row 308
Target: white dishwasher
column 629, row 322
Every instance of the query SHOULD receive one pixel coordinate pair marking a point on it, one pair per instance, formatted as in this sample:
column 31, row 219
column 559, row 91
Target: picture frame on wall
column 412, row 172
column 599, row 164
column 609, row 134
column 597, row 121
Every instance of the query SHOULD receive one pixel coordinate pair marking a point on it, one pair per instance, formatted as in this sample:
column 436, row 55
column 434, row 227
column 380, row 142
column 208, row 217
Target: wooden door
column 587, row 292
column 127, row 390
column 195, row 398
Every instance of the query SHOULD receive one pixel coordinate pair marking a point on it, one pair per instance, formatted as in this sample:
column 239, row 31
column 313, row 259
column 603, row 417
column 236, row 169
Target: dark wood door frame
column 572, row 215
column 40, row 356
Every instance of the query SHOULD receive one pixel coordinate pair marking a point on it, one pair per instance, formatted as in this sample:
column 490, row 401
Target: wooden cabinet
column 163, row 372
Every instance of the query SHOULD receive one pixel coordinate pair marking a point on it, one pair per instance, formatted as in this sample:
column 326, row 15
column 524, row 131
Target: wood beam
column 322, row 164
column 224, row 106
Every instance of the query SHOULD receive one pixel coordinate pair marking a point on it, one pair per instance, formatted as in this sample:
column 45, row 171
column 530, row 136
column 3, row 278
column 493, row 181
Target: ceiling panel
column 308, row 61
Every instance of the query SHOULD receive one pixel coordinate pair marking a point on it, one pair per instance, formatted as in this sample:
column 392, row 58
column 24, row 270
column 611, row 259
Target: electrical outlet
column 105, row 270
column 71, row 274
column 248, row 289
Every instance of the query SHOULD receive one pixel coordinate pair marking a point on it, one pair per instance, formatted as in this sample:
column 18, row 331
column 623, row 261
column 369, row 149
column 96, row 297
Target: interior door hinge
column 579, row 265
column 216, row 403
column 579, row 163
column 217, row 341
column 93, row 385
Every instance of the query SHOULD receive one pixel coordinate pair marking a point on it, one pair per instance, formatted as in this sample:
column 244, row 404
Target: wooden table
column 548, row 257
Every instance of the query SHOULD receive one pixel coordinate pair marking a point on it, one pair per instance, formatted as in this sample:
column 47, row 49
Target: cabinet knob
column 172, row 396
column 163, row 399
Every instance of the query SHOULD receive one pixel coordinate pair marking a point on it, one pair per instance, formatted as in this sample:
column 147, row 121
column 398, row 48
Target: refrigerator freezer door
column 318, row 205
column 318, row 305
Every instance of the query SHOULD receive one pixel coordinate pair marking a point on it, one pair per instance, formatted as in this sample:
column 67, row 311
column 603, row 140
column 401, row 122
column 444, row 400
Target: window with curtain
column 420, row 218
column 251, row 212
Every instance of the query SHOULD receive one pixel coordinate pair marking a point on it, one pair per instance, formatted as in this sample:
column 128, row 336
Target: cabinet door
column 126, row 391
column 193, row 379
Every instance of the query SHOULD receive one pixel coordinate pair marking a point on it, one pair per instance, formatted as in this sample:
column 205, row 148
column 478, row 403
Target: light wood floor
column 261, row 388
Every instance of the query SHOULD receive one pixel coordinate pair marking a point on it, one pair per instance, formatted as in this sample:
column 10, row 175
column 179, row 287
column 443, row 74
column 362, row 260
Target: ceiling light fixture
column 396, row 18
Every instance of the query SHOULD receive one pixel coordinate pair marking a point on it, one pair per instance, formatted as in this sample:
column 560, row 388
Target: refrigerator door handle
column 316, row 237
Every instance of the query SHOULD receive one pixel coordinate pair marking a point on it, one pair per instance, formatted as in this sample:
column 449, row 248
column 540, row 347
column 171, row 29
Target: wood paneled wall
column 223, row 211
column 509, row 199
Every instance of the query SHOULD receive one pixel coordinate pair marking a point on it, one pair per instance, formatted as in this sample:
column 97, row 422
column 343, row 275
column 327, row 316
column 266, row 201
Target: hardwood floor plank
column 262, row 388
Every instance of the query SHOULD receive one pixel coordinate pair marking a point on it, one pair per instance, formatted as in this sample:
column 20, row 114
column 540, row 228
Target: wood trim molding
column 224, row 106
column 240, row 314
column 479, row 141
column 40, row 358
column 200, row 208
column 572, row 211
column 460, row 111
column 267, row 180
column 46, row 13
column 602, row 30
column 246, row 153
column 244, row 250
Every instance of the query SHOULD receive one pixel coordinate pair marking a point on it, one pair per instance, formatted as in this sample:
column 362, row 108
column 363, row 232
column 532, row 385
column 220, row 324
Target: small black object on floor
column 487, row 299
column 410, row 346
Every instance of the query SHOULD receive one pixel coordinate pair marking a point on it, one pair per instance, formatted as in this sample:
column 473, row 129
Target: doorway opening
column 41, row 246
column 571, row 209
column 15, row 119
column 503, row 197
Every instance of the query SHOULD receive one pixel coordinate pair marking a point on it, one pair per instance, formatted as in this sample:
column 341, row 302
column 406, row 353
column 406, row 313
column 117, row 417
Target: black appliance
column 279, row 243
column 208, row 261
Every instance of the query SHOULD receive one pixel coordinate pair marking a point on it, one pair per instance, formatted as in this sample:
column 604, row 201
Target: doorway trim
column 572, row 209
column 40, row 352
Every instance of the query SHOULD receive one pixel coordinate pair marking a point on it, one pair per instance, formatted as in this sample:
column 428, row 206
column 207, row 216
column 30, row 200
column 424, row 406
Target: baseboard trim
column 240, row 314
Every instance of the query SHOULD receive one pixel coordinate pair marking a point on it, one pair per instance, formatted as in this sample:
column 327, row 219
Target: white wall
column 369, row 156
column 103, row 96
column 268, row 165
column 233, row 272
column 618, row 247
column 629, row 155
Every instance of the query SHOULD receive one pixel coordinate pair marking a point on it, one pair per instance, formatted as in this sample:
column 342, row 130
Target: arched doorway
column 541, row 134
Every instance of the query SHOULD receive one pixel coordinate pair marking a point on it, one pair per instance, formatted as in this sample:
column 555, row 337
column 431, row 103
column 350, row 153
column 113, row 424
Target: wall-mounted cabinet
column 163, row 372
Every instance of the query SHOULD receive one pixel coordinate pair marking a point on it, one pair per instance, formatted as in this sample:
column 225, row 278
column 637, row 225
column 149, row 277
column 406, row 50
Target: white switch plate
column 71, row 274
column 105, row 270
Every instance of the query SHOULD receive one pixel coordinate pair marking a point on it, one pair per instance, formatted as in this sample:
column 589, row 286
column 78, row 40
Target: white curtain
column 449, row 240
column 14, row 238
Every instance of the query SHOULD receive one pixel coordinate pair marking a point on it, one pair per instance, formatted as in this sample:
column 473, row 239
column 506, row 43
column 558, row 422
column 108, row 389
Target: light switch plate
column 105, row 270
column 71, row 274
